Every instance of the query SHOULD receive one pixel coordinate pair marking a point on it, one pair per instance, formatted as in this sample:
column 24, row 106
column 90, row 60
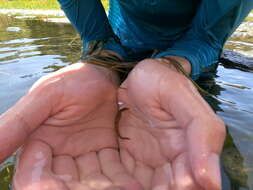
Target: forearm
column 202, row 44
column 90, row 20
column 200, row 54
column 88, row 17
column 184, row 63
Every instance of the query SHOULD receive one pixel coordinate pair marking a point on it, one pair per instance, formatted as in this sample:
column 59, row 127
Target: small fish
column 118, row 116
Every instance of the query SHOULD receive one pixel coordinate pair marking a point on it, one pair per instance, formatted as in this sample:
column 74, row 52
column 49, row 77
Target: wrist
column 112, row 76
column 185, row 64
column 105, row 52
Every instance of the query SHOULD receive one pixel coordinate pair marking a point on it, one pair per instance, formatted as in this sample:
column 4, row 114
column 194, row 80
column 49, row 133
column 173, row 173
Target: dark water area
column 31, row 48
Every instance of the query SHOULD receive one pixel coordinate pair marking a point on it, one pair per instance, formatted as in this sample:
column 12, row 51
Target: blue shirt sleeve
column 90, row 20
column 88, row 17
column 214, row 22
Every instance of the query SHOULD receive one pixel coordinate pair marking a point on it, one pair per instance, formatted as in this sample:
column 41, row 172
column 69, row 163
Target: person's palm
column 68, row 131
column 171, row 139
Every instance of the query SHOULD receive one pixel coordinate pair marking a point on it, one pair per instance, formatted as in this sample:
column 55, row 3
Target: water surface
column 31, row 48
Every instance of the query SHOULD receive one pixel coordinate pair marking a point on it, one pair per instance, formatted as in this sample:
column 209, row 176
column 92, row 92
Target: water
column 31, row 48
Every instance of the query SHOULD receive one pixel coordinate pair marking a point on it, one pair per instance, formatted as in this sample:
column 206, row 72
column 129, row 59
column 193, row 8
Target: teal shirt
column 193, row 29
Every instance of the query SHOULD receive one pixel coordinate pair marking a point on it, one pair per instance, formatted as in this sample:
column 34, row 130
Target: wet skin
column 66, row 123
column 175, row 137
column 67, row 129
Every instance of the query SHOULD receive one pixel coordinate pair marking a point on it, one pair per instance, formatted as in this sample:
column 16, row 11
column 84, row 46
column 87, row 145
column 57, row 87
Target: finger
column 88, row 164
column 144, row 175
column 206, row 169
column 33, row 170
column 114, row 170
column 183, row 178
column 205, row 144
column 90, row 171
column 28, row 113
column 65, row 168
column 163, row 178
column 127, row 160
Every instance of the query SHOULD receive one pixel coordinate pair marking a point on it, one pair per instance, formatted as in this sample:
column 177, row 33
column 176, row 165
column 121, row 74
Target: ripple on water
column 13, row 29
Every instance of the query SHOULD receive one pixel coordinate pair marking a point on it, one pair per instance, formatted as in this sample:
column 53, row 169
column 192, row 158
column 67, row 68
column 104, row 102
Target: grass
column 35, row 4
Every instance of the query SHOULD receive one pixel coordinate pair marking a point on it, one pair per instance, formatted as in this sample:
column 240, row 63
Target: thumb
column 205, row 145
column 29, row 112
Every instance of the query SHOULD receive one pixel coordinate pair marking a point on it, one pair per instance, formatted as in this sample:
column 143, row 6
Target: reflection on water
column 30, row 48
column 233, row 164
column 242, row 39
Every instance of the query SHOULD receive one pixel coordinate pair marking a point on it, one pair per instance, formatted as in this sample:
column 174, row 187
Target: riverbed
column 31, row 47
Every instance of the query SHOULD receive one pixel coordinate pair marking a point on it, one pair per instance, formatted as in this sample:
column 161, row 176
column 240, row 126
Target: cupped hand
column 171, row 138
column 66, row 124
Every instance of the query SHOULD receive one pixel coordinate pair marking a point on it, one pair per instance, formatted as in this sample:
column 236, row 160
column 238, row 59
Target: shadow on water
column 30, row 48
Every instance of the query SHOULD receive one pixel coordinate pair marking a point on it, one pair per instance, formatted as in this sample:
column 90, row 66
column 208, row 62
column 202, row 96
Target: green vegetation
column 34, row 4
column 249, row 19
column 29, row 4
